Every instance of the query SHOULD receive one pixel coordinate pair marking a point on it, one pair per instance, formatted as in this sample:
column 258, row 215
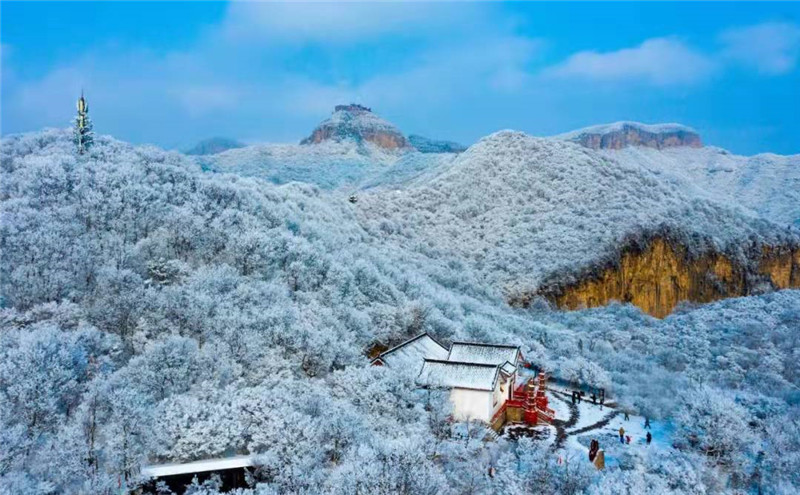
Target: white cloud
column 771, row 48
column 660, row 61
column 200, row 100
column 330, row 21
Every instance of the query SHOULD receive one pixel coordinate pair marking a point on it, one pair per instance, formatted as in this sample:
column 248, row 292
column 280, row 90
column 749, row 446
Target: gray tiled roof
column 468, row 352
column 439, row 373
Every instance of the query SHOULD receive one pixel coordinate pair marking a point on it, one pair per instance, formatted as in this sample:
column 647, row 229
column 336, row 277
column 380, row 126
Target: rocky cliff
column 358, row 123
column 623, row 134
column 660, row 275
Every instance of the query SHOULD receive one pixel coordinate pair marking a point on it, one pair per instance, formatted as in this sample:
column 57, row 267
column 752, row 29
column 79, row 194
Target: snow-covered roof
column 413, row 351
column 619, row 126
column 508, row 369
column 453, row 374
column 470, row 352
column 159, row 470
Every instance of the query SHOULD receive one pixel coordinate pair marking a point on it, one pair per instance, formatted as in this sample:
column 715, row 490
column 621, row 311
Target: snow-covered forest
column 154, row 310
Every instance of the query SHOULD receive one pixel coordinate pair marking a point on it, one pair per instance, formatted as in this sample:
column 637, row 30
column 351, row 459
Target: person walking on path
column 627, row 418
column 621, row 435
column 647, row 422
column 649, row 438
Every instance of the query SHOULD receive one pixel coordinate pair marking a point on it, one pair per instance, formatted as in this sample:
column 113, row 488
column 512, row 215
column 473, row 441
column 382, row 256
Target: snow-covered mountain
column 623, row 134
column 152, row 311
column 768, row 184
column 354, row 148
column 529, row 212
column 358, row 123
column 557, row 216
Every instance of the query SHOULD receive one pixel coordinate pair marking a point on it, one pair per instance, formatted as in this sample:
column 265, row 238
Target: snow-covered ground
column 608, row 435
column 603, row 423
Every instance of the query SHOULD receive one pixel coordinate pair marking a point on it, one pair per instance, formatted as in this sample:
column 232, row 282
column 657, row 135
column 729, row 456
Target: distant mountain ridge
column 427, row 145
column 620, row 135
column 214, row 145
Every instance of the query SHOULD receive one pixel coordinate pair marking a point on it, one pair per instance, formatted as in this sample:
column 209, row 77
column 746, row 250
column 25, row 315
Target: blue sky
column 173, row 73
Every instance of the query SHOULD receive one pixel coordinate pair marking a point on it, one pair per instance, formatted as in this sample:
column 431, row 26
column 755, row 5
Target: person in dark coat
column 594, row 446
column 647, row 423
column 626, row 416
column 649, row 438
column 594, row 399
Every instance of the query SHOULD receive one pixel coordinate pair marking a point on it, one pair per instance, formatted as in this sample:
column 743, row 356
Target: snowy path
column 562, row 425
column 596, row 426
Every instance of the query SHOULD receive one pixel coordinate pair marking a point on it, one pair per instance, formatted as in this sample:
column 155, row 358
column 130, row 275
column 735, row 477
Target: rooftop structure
column 471, row 352
column 412, row 351
column 453, row 374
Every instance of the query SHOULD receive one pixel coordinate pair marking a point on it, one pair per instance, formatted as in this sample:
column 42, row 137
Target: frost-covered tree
column 153, row 312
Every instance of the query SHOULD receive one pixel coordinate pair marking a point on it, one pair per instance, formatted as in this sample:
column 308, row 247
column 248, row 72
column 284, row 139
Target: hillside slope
column 150, row 312
column 328, row 165
column 542, row 216
column 768, row 184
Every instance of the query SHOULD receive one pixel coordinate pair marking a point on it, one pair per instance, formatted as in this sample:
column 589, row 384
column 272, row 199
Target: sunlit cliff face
column 659, row 277
column 358, row 123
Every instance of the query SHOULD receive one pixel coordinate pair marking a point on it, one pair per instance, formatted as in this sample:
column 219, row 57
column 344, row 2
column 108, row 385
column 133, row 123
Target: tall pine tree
column 82, row 131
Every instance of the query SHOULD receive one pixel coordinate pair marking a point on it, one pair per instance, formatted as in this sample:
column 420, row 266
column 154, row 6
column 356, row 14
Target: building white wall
column 471, row 404
column 478, row 404
column 499, row 397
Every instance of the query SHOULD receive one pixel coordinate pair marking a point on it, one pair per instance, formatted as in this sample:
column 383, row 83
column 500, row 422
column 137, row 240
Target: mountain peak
column 358, row 123
column 619, row 135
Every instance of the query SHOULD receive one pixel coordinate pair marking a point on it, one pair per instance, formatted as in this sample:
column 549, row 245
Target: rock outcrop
column 358, row 123
column 622, row 134
column 660, row 275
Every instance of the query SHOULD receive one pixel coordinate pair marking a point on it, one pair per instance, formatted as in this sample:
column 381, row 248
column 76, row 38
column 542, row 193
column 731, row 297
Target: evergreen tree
column 82, row 131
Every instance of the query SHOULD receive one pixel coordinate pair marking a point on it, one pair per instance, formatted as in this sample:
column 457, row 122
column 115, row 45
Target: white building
column 477, row 391
column 480, row 377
